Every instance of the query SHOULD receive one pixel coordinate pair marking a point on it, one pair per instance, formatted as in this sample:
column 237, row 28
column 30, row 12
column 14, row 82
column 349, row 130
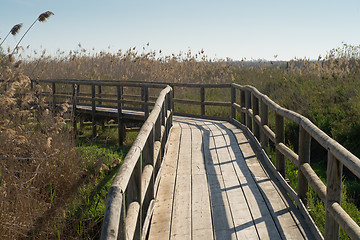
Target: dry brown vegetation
column 39, row 169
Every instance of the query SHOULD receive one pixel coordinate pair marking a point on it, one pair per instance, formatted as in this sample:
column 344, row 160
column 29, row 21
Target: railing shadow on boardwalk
column 215, row 186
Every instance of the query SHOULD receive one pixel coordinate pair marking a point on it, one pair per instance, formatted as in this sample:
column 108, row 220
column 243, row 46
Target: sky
column 236, row 29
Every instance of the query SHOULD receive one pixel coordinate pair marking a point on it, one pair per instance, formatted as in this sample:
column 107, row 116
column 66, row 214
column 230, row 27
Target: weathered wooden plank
column 242, row 217
column 222, row 219
column 211, row 165
column 282, row 213
column 181, row 215
column 197, row 159
column 161, row 220
column 200, row 206
column 263, row 221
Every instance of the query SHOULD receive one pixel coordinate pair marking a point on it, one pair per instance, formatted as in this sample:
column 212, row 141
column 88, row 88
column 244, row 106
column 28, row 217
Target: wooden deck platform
column 112, row 112
column 214, row 186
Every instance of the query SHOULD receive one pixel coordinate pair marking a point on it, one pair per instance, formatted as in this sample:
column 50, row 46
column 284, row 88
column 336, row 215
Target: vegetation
column 39, row 174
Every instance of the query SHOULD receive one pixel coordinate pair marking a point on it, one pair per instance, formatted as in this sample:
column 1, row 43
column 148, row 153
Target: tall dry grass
column 39, row 168
column 131, row 64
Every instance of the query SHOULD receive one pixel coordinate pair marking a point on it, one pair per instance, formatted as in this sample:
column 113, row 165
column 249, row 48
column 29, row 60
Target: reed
column 41, row 18
column 14, row 30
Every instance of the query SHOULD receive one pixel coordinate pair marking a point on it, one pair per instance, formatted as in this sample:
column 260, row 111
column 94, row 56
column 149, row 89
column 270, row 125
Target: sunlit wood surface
column 213, row 186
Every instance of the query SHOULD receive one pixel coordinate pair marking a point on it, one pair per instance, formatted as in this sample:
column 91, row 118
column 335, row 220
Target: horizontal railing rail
column 254, row 109
column 131, row 196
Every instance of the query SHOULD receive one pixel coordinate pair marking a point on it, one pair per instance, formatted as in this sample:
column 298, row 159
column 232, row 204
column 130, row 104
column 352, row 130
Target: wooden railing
column 130, row 199
column 247, row 106
column 131, row 196
column 254, row 108
column 90, row 93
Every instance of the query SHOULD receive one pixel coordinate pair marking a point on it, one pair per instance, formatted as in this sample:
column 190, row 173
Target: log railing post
column 53, row 98
column 202, row 100
column 243, row 105
column 333, row 194
column 77, row 92
column 264, row 140
column 121, row 124
column 172, row 96
column 233, row 100
column 74, row 97
column 255, row 108
column 146, row 100
column 93, row 110
column 304, row 157
column 122, row 228
column 170, row 108
column 280, row 138
column 99, row 94
column 133, row 194
column 248, row 106
column 163, row 114
column 148, row 159
column 166, row 117
column 138, row 176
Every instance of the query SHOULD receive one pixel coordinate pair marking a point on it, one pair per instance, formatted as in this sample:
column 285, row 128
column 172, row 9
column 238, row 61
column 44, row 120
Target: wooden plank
column 222, row 219
column 161, row 219
column 181, row 218
column 286, row 220
column 198, row 165
column 200, row 206
column 181, row 215
column 243, row 221
column 264, row 223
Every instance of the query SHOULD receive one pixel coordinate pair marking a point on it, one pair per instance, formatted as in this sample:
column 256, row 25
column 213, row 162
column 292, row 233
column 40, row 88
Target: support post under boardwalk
column 54, row 98
column 99, row 94
column 146, row 100
column 74, row 109
column 202, row 100
column 121, row 124
column 93, row 110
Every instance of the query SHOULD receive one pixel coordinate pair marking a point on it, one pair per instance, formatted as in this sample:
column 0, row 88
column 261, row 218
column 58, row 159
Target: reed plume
column 41, row 18
column 14, row 30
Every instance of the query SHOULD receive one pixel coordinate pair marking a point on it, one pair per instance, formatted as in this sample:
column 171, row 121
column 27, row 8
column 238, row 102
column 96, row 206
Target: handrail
column 254, row 108
column 136, row 176
column 337, row 156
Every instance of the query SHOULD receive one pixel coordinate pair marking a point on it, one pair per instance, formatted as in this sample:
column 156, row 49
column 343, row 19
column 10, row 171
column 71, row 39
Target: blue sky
column 235, row 29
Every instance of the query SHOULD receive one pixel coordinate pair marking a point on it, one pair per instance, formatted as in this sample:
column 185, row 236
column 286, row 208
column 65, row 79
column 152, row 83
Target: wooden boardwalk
column 214, row 186
column 213, row 182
